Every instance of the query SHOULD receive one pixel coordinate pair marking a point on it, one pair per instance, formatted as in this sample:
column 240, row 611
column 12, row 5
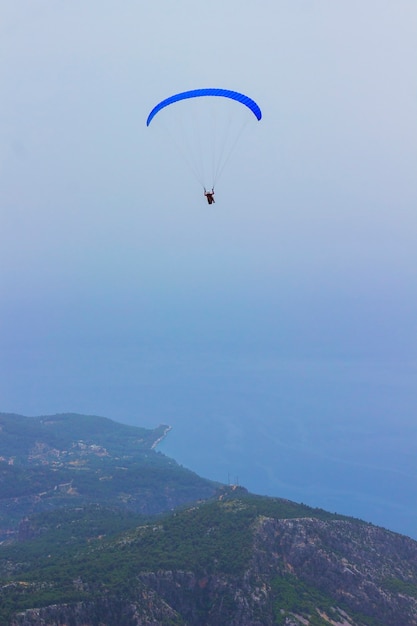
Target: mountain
column 228, row 559
column 73, row 460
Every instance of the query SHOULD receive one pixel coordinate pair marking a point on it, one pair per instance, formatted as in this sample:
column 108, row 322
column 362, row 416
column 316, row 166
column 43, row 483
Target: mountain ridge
column 171, row 548
column 69, row 459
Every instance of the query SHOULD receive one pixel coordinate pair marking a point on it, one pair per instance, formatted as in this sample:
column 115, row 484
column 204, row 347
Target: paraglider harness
column 209, row 195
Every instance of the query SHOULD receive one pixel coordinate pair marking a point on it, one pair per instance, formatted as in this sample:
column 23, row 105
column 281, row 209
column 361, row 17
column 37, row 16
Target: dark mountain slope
column 239, row 560
column 73, row 460
column 36, row 439
column 82, row 544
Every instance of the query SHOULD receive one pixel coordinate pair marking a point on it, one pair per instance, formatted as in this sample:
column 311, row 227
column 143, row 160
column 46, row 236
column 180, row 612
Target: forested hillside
column 133, row 539
column 72, row 460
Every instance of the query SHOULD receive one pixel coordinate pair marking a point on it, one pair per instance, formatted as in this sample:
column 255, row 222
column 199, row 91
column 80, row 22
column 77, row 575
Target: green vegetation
column 91, row 544
column 73, row 460
column 59, row 432
column 279, row 508
column 401, row 586
column 84, row 520
column 292, row 596
column 63, row 532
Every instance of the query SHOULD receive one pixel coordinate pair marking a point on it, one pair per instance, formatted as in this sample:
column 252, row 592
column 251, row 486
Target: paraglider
column 210, row 196
column 205, row 127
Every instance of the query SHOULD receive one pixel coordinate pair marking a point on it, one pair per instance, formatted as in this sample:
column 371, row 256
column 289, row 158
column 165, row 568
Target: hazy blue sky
column 276, row 331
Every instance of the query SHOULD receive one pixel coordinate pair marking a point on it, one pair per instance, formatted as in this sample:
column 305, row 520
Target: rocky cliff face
column 149, row 610
column 359, row 566
column 70, row 554
column 301, row 572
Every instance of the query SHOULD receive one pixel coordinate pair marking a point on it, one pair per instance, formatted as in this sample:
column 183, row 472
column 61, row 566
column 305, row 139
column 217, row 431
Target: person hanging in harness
column 209, row 195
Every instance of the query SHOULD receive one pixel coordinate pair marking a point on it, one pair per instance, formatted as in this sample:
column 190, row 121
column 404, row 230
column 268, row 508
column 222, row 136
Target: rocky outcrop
column 234, row 560
column 301, row 572
column 352, row 564
column 146, row 610
column 360, row 566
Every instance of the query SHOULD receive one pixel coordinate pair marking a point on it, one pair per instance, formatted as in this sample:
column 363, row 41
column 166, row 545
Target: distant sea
column 336, row 434
column 339, row 435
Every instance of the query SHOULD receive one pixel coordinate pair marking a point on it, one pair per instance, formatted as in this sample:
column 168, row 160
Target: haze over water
column 276, row 331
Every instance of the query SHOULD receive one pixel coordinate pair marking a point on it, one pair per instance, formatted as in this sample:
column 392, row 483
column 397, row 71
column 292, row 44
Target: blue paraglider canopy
column 198, row 93
column 205, row 130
